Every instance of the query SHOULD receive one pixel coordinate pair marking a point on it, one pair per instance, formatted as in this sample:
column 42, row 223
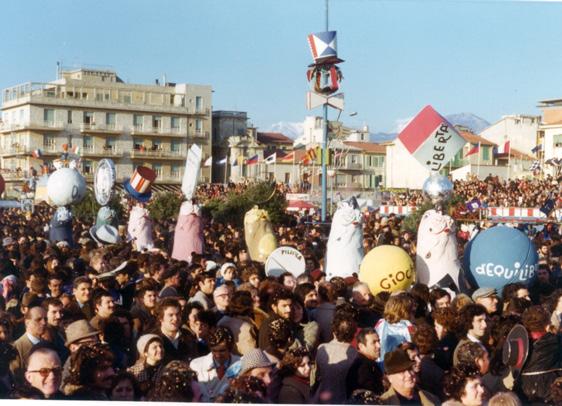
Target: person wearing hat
column 256, row 363
column 150, row 349
column 171, row 279
column 221, row 297
column 398, row 368
column 487, row 297
column 78, row 333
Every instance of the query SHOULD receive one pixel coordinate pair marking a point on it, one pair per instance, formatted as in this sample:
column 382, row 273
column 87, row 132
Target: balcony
column 172, row 178
column 101, row 152
column 158, row 154
column 100, row 128
column 201, row 111
column 354, row 166
column 159, row 131
column 199, row 134
column 41, row 126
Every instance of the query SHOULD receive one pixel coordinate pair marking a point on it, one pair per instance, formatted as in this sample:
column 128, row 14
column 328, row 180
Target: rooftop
column 369, row 147
column 274, row 138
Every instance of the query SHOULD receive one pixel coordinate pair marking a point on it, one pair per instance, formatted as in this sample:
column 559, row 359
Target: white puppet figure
column 345, row 244
column 188, row 236
column 139, row 228
column 437, row 260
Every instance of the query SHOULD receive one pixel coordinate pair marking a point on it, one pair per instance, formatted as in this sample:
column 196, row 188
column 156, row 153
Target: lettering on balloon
column 442, row 136
column 499, row 271
column 394, row 279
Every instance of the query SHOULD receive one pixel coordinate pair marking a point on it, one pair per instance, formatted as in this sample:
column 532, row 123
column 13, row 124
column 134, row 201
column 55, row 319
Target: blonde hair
column 399, row 307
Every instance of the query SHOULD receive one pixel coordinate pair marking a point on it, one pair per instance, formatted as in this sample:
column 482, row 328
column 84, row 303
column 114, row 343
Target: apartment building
column 95, row 111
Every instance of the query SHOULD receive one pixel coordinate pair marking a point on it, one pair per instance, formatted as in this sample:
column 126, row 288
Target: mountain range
column 469, row 120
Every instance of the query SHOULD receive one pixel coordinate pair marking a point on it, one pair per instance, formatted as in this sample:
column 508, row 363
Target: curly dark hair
column 292, row 360
column 425, row 338
column 125, row 376
column 466, row 316
column 219, row 336
column 455, row 381
column 536, row 318
column 241, row 304
column 174, row 383
column 343, row 327
column 468, row 353
column 244, row 389
column 86, row 361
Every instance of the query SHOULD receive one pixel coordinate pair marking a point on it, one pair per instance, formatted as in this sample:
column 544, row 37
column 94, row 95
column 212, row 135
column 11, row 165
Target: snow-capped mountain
column 291, row 130
column 472, row 121
column 382, row 137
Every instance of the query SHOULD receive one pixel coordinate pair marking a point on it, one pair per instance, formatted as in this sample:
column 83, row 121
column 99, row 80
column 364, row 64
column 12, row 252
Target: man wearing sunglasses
column 44, row 372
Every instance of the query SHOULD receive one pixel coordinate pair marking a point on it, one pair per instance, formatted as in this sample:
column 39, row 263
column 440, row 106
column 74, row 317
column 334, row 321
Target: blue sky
column 489, row 58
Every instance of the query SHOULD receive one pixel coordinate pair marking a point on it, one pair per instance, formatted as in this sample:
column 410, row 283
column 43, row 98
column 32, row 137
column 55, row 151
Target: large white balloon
column 66, row 186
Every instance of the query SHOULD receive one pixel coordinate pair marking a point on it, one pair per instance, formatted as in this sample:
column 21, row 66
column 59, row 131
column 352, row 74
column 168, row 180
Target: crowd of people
column 490, row 192
column 91, row 322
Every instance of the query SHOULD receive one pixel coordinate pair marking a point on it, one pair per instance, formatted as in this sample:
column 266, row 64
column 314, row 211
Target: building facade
column 549, row 135
column 103, row 117
column 520, row 130
column 226, row 124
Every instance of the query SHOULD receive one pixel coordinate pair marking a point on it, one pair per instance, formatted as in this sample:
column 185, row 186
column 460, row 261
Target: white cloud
column 290, row 129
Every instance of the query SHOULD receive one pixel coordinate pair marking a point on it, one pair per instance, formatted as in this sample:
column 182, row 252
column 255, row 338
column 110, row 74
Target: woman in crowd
column 464, row 387
column 239, row 319
column 295, row 369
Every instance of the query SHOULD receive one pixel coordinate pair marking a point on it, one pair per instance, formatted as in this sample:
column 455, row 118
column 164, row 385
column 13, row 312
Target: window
column 110, row 120
column 126, row 98
column 88, row 117
column 175, row 171
column 156, row 145
column 156, row 122
column 49, row 116
column 557, row 140
column 485, row 153
column 198, row 126
column 137, row 121
column 87, row 143
column 69, row 116
column 175, row 122
column 175, row 146
column 49, row 141
column 157, row 168
column 198, row 103
column 109, row 144
column 137, row 144
column 87, row 167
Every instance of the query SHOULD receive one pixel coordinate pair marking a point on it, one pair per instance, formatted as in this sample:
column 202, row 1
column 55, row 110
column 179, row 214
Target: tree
column 87, row 209
column 165, row 206
column 232, row 208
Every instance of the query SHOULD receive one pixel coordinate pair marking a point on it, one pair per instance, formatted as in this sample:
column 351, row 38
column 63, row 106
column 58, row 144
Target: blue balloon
column 498, row 256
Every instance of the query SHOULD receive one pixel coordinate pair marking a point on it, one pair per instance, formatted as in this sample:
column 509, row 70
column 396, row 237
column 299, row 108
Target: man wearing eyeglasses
column 44, row 372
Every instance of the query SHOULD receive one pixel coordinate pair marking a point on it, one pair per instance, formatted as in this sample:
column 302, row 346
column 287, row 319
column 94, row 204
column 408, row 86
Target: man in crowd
column 178, row 345
column 280, row 306
column 35, row 325
column 82, row 292
column 54, row 331
column 472, row 324
column 104, row 307
column 44, row 372
column 487, row 297
column 399, row 371
column 364, row 373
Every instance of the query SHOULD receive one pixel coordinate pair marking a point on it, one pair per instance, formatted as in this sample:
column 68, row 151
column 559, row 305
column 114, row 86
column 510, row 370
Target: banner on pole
column 431, row 139
column 191, row 174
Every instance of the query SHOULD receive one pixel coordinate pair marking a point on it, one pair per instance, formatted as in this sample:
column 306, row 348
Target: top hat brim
column 93, row 233
column 327, row 61
column 141, row 197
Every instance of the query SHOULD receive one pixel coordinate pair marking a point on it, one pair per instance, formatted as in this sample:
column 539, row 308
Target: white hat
column 211, row 266
column 105, row 234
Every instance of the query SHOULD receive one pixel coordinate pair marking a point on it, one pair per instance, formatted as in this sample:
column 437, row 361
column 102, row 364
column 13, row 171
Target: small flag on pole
column 536, row 165
column 36, row 153
column 473, row 150
column 253, row 160
column 76, row 149
column 536, row 149
column 222, row 161
column 288, row 158
column 208, row 161
column 503, row 149
column 271, row 159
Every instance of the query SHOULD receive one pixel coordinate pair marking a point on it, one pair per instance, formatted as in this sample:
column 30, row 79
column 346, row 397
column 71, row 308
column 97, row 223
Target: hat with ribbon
column 139, row 184
column 516, row 349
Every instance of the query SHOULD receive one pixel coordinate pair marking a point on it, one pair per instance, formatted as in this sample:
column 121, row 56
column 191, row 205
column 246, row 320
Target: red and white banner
column 431, row 139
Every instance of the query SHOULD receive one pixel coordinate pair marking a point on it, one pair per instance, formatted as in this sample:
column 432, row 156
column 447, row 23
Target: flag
column 222, row 161
column 431, row 139
column 235, row 162
column 503, row 149
column 271, row 159
column 76, row 149
column 473, row 150
column 474, row 204
column 536, row 149
column 535, row 165
column 547, row 207
column 36, row 153
column 311, row 154
column 209, row 161
column 253, row 160
column 288, row 158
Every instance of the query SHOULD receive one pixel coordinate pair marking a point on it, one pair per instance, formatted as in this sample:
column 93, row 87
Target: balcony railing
column 93, row 127
column 158, row 131
column 169, row 179
column 159, row 153
column 101, row 151
column 42, row 125
column 200, row 134
column 204, row 111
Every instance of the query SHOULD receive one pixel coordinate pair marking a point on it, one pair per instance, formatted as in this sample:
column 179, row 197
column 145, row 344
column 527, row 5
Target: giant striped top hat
column 139, row 184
